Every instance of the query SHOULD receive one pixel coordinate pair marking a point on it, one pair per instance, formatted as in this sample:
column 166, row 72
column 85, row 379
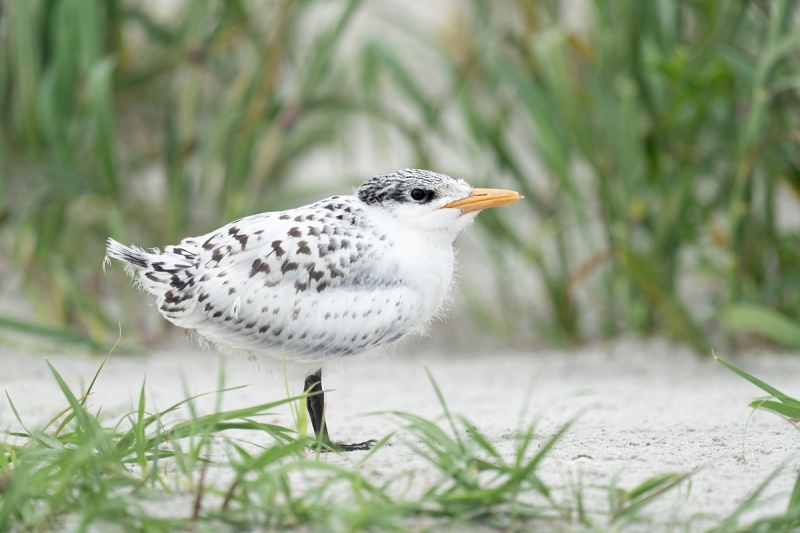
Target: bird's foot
column 338, row 447
column 356, row 446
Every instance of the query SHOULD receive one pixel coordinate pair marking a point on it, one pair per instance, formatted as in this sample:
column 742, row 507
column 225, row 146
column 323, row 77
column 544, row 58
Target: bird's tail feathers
column 134, row 257
column 156, row 272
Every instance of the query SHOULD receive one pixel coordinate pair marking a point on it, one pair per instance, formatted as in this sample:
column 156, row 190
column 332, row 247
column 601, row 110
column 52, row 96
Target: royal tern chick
column 311, row 285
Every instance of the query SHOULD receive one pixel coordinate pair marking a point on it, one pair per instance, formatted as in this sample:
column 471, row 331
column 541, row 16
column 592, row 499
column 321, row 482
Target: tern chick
column 311, row 285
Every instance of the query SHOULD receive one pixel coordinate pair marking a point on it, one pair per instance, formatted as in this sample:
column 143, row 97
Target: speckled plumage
column 311, row 285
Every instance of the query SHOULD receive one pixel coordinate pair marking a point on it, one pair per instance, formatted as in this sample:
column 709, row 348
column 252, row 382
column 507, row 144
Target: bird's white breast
column 423, row 260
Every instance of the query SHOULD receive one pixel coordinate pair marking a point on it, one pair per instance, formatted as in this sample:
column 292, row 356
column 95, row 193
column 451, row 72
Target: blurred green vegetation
column 118, row 124
column 656, row 143
column 666, row 130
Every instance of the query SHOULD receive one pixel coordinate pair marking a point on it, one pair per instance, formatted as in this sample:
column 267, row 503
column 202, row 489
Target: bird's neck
column 421, row 258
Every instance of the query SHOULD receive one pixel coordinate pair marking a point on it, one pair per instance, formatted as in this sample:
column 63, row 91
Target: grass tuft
column 654, row 142
column 146, row 471
column 777, row 402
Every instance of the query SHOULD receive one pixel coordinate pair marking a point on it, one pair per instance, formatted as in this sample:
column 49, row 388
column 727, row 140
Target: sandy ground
column 643, row 408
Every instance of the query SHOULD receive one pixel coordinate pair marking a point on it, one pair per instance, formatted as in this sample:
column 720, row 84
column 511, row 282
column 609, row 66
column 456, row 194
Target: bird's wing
column 310, row 283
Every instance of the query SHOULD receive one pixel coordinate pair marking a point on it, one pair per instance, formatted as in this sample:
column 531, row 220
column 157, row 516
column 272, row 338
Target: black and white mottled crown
column 398, row 187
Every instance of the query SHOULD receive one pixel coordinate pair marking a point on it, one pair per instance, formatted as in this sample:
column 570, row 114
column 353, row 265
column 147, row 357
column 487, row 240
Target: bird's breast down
column 310, row 284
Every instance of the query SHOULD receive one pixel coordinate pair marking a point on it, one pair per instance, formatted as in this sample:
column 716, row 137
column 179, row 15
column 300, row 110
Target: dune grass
column 787, row 408
column 777, row 402
column 156, row 471
column 81, row 470
column 653, row 141
column 115, row 122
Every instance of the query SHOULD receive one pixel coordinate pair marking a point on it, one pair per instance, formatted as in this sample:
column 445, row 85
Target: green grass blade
column 130, row 437
column 646, row 492
column 644, row 272
column 327, row 46
column 429, row 431
column 443, row 403
column 383, row 55
column 278, row 452
column 88, row 424
column 140, row 427
column 475, row 434
column 47, row 440
column 731, row 521
column 794, row 499
column 209, row 422
column 764, row 321
column 760, row 384
column 96, row 374
column 16, row 413
column 548, row 445
column 788, row 411
column 59, row 334
column 100, row 95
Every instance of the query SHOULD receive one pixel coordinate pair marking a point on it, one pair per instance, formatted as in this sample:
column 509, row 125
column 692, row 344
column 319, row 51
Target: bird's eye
column 419, row 195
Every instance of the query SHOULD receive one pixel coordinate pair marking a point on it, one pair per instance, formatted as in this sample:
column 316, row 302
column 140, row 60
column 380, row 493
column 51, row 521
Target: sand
column 641, row 408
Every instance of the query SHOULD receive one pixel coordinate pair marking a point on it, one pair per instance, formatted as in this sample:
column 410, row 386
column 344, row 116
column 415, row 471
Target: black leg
column 316, row 406
column 316, row 411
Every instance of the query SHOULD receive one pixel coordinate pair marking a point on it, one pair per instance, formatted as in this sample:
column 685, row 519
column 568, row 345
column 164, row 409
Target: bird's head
column 430, row 201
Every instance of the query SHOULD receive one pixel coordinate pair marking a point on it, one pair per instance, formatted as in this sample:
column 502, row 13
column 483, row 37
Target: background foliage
column 656, row 144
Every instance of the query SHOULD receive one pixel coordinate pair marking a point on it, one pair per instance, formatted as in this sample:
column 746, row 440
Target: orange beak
column 484, row 198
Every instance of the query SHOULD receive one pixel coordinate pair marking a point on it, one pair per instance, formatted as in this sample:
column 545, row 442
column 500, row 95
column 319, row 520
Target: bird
column 310, row 286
